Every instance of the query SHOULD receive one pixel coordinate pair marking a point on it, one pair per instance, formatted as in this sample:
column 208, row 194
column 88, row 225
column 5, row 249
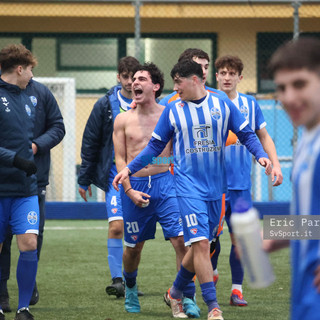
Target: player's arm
column 316, row 281
column 6, row 157
column 248, row 138
column 91, row 144
column 270, row 245
column 270, row 149
column 12, row 159
column 55, row 129
column 120, row 150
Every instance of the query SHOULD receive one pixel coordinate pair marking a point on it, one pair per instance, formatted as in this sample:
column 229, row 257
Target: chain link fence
column 78, row 45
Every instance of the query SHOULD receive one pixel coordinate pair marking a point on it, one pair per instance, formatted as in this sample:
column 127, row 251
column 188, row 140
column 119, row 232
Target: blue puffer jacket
column 97, row 152
column 48, row 129
column 16, row 122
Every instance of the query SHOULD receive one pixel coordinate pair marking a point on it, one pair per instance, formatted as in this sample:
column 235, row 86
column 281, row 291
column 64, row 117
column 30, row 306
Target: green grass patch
column 73, row 273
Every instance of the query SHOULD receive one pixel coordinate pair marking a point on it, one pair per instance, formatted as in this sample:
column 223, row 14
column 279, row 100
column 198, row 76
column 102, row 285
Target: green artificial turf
column 73, row 273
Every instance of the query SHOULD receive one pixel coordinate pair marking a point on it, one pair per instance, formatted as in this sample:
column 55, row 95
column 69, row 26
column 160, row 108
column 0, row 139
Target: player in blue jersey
column 19, row 207
column 238, row 161
column 149, row 196
column 296, row 70
column 203, row 59
column 98, row 166
column 198, row 123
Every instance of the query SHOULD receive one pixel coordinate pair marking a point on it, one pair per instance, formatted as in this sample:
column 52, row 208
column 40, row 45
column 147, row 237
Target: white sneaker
column 176, row 306
column 215, row 314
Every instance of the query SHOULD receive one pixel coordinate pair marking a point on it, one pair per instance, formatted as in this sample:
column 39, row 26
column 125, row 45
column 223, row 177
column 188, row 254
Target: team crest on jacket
column 28, row 110
column 114, row 210
column 32, row 217
column 134, row 237
column 215, row 113
column 34, row 100
column 194, row 230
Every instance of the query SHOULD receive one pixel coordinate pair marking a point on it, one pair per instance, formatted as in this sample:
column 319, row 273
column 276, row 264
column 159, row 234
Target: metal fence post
column 137, row 30
column 296, row 32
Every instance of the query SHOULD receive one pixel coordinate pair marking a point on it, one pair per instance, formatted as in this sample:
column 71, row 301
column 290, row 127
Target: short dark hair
column 156, row 75
column 193, row 52
column 187, row 68
column 229, row 62
column 128, row 64
column 14, row 55
column 297, row 54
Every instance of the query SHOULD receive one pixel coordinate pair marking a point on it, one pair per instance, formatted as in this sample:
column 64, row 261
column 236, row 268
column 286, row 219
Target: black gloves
column 26, row 165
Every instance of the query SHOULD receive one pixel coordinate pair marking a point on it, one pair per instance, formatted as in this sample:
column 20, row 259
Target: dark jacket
column 49, row 129
column 16, row 122
column 97, row 152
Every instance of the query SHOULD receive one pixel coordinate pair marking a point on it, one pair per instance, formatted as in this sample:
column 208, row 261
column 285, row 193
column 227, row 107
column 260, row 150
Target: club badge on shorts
column 32, row 217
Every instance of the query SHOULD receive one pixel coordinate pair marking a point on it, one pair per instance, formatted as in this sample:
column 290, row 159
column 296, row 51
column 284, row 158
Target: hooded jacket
column 97, row 151
column 16, row 122
column 49, row 128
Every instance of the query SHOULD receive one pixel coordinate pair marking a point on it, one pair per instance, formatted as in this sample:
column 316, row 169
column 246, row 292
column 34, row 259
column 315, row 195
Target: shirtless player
column 150, row 194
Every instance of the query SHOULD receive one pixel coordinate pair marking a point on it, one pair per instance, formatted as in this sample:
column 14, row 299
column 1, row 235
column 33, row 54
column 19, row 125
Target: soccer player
column 49, row 130
column 98, row 166
column 238, row 161
column 203, row 59
column 149, row 196
column 296, row 70
column 198, row 123
column 19, row 206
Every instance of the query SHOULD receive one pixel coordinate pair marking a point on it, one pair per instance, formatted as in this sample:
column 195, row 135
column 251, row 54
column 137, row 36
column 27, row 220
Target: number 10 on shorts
column 191, row 220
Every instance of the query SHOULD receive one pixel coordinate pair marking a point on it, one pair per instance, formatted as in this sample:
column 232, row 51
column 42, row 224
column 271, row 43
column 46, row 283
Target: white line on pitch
column 75, row 228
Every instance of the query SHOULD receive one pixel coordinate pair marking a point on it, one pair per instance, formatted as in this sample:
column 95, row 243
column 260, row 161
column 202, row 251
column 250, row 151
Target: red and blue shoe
column 236, row 299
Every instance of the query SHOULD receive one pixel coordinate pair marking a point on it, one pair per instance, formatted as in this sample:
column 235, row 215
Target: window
column 87, row 54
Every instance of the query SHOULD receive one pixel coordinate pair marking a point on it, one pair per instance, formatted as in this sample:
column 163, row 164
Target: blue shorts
column 231, row 198
column 22, row 214
column 140, row 223
column 113, row 199
column 200, row 219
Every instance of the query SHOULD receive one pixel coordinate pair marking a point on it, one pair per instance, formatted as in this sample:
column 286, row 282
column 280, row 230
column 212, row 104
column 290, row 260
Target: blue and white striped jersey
column 238, row 158
column 199, row 134
column 306, row 201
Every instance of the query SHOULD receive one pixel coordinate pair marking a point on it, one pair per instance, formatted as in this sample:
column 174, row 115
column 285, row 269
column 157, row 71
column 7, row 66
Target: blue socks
column 115, row 252
column 182, row 283
column 236, row 267
column 190, row 290
column 130, row 278
column 208, row 291
column 26, row 276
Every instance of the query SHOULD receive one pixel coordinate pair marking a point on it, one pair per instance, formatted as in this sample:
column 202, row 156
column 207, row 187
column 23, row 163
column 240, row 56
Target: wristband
column 127, row 190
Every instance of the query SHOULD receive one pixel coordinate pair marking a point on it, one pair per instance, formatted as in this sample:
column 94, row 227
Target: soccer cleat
column 175, row 305
column 4, row 302
column 35, row 296
column 215, row 314
column 2, row 317
column 116, row 288
column 215, row 279
column 131, row 303
column 190, row 307
column 236, row 299
column 23, row 314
